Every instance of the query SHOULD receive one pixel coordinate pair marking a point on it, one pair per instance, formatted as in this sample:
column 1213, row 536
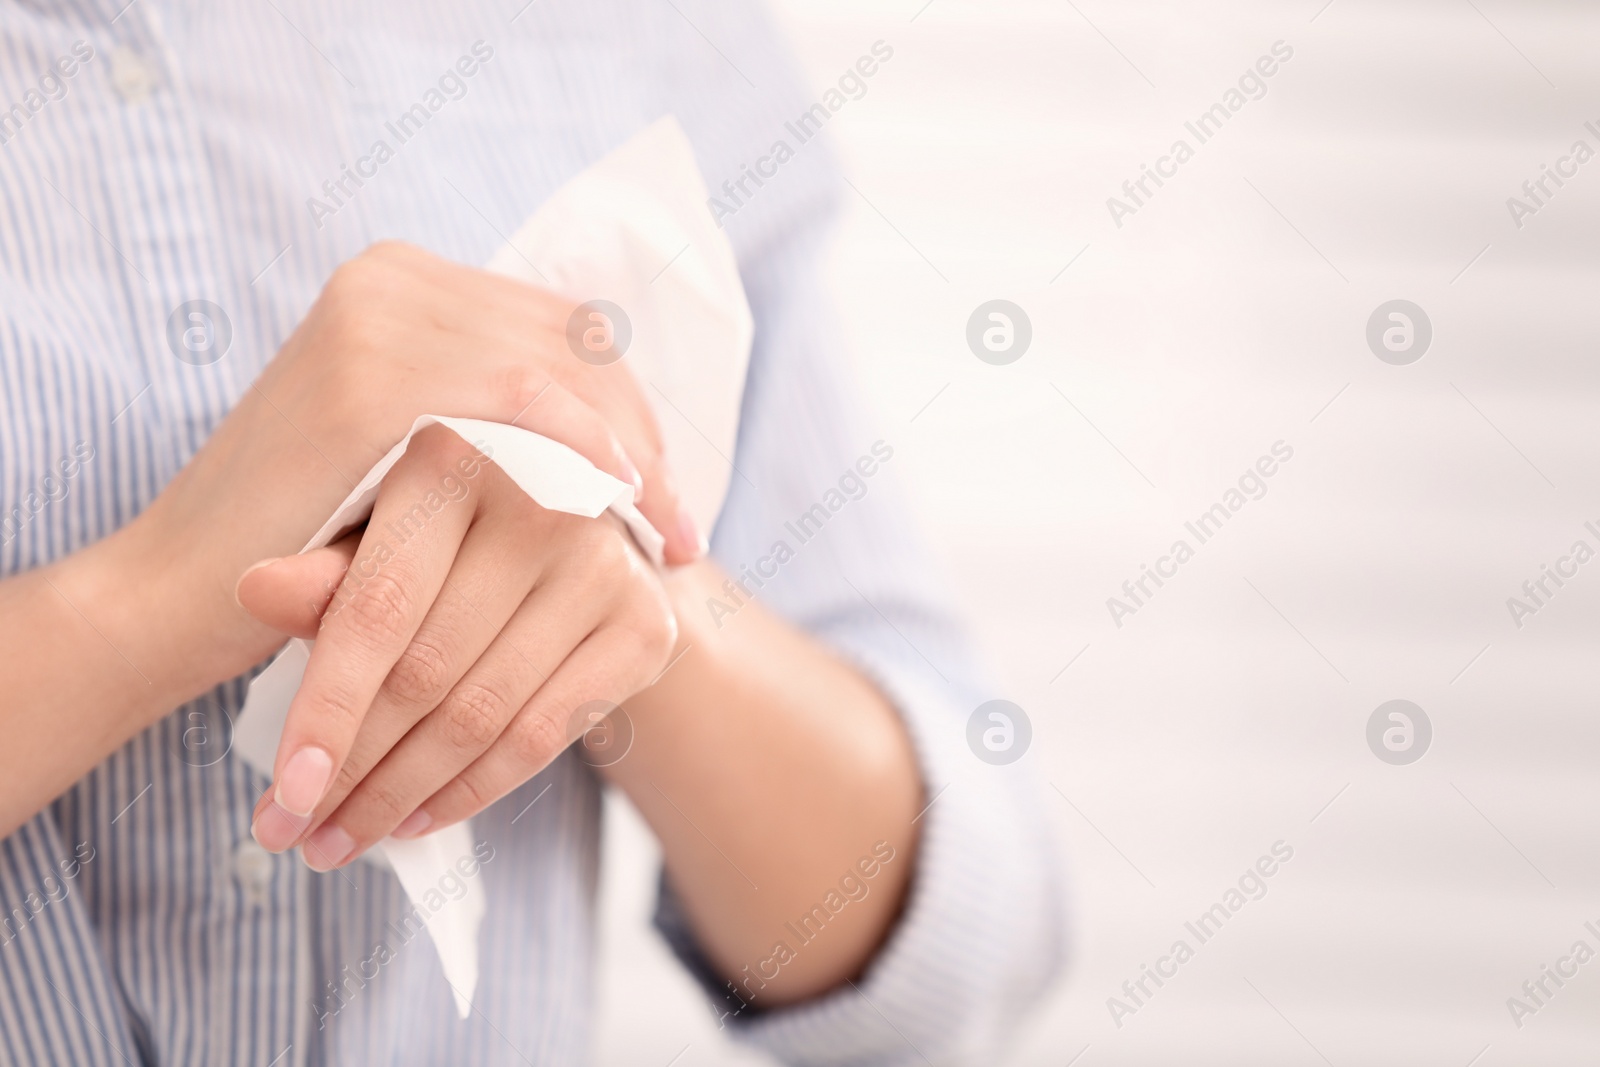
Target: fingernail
column 413, row 826
column 689, row 532
column 304, row 780
column 248, row 571
column 327, row 848
column 276, row 830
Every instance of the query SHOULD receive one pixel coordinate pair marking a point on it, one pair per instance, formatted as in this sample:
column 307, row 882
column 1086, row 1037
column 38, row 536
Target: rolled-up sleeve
column 982, row 930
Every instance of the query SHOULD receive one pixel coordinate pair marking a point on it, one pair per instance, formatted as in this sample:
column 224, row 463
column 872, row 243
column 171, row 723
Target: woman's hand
column 760, row 758
column 461, row 635
column 396, row 333
column 114, row 636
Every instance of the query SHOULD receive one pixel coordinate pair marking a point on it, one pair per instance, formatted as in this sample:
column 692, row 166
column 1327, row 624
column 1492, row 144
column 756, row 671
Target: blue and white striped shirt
column 175, row 150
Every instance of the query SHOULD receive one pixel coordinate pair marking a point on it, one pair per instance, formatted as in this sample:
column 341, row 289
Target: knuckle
column 392, row 250
column 421, row 675
column 535, row 740
column 603, row 547
column 662, row 637
column 520, row 384
column 380, row 802
column 365, row 293
column 651, row 625
column 469, row 794
column 473, row 716
column 358, row 279
column 378, row 611
column 437, row 448
column 335, row 710
column 350, row 775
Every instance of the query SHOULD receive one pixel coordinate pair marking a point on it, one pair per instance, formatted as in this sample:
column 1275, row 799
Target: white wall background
column 1227, row 314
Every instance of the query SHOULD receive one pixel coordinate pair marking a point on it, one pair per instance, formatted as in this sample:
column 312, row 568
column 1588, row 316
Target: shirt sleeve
column 982, row 931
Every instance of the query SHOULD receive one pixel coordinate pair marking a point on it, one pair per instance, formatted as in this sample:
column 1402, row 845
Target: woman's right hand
column 396, row 333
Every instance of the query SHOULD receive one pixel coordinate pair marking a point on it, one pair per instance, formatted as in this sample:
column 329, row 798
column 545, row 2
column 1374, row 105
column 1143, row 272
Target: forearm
column 769, row 768
column 98, row 646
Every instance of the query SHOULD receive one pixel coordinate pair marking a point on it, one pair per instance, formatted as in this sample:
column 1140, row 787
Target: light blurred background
column 1228, row 314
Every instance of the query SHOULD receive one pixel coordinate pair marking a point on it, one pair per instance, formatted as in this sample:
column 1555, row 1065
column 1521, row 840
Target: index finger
column 418, row 522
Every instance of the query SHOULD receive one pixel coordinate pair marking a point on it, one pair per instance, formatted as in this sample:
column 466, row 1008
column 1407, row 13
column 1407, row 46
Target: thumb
column 291, row 594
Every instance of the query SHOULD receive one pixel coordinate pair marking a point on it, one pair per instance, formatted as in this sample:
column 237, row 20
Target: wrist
column 160, row 603
column 700, row 647
column 671, row 716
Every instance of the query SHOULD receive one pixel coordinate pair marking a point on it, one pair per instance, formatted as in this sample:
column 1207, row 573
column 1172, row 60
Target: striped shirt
column 169, row 151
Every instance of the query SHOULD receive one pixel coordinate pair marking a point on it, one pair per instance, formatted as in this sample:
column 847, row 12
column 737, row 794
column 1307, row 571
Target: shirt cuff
column 982, row 931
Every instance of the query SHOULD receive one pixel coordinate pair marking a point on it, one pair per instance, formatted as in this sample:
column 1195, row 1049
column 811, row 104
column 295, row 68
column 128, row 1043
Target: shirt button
column 252, row 869
column 133, row 76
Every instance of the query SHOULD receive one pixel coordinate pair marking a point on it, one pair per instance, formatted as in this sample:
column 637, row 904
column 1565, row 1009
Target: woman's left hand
column 455, row 638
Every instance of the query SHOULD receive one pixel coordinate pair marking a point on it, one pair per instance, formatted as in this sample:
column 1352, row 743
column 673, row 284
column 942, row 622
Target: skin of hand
column 757, row 738
column 467, row 628
column 146, row 619
column 768, row 769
